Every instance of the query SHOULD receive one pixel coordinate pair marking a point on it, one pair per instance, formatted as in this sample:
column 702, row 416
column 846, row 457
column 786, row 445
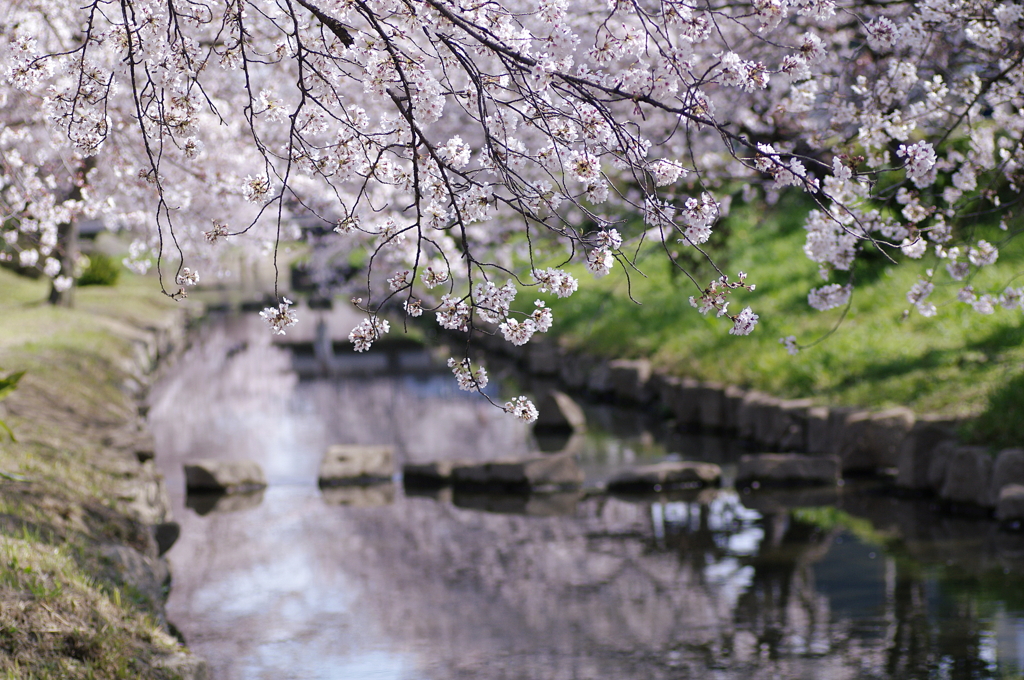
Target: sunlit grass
column 949, row 364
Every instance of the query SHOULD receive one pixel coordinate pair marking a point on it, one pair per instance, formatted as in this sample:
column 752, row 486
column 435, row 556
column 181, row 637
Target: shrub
column 102, row 270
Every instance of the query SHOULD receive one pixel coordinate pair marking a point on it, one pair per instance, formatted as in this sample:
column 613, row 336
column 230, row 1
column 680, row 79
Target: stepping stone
column 559, row 471
column 437, row 473
column 1010, row 507
column 780, row 500
column 210, row 502
column 354, row 464
column 787, row 469
column 668, row 475
column 225, row 476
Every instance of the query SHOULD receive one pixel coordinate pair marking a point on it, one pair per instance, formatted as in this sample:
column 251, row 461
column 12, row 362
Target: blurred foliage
column 102, row 270
column 7, row 385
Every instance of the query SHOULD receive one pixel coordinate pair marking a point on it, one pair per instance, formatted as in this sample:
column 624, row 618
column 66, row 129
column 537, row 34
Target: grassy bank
column 70, row 606
column 958, row 363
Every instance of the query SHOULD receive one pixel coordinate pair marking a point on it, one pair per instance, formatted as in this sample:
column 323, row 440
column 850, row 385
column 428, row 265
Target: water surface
column 294, row 583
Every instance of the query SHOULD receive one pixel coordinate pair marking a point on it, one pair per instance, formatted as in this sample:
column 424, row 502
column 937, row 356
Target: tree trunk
column 67, row 241
column 67, row 238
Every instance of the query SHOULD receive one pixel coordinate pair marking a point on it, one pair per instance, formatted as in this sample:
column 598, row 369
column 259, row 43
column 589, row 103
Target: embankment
column 83, row 512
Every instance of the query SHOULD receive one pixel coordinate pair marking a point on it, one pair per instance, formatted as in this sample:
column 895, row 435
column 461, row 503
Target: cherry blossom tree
column 476, row 149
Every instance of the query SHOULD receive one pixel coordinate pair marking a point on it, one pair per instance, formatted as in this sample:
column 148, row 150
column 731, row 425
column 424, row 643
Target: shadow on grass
column 999, row 339
column 974, row 354
column 1002, row 422
column 930, row 360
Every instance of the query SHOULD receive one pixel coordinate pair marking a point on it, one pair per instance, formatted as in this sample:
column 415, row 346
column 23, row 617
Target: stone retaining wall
column 922, row 450
column 144, row 496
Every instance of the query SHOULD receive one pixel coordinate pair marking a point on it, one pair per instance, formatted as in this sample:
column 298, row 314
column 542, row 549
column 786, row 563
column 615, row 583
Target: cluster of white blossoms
column 453, row 314
column 601, row 258
column 468, row 378
column 281, row 317
column 791, row 345
column 492, row 303
column 744, row 322
column 918, row 296
column 187, row 277
column 556, row 281
column 983, row 304
column 522, row 408
column 715, row 298
column 920, row 162
column 456, row 143
column 519, row 332
column 829, row 297
column 368, row 330
column 216, row 233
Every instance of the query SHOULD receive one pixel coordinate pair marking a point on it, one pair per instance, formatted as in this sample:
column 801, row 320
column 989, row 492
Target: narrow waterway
column 377, row 583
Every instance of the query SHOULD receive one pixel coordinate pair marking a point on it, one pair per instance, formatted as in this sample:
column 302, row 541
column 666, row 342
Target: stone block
column 138, row 441
column 711, row 405
column 938, row 463
column 629, row 380
column 354, row 464
column 818, row 433
column 793, row 415
column 1010, row 506
column 779, row 501
column 224, row 475
column 129, row 566
column 969, row 476
column 574, row 370
column 731, row 402
column 888, row 430
column 848, row 440
column 599, row 378
column 559, row 471
column 182, row 665
column 543, row 358
column 437, row 473
column 871, row 441
column 1008, row 469
column 768, row 423
column 210, row 502
column 917, row 450
column 748, row 414
column 664, row 476
column 837, row 427
column 787, row 469
column 681, row 397
column 659, row 385
column 558, row 412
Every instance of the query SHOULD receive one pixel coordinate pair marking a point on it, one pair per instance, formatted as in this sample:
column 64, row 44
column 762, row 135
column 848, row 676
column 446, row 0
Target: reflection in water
column 376, row 583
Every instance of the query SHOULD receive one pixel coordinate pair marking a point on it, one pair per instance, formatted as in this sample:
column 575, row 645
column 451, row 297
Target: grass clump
column 958, row 363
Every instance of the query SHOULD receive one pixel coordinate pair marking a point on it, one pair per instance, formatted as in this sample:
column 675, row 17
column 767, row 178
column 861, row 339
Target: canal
column 382, row 583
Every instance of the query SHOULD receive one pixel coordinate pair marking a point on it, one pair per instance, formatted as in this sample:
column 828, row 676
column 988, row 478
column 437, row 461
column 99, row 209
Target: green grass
column 958, row 363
